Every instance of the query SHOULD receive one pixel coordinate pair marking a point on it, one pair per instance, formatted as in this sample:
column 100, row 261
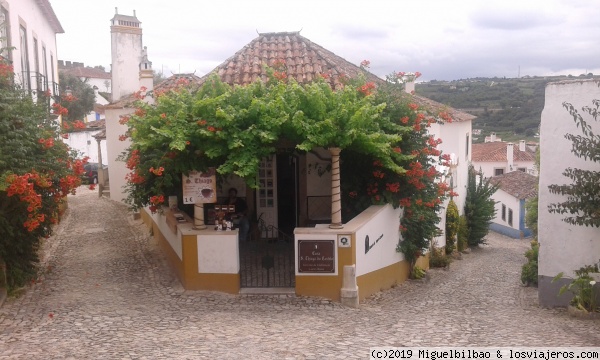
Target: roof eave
column 47, row 10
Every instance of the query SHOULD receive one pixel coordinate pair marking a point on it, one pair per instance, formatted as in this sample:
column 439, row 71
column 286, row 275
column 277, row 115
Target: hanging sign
column 200, row 188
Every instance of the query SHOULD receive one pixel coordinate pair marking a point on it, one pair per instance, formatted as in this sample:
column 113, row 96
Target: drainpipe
column 336, row 199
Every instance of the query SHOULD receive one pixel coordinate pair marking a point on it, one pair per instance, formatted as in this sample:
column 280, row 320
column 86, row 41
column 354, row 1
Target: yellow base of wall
column 186, row 270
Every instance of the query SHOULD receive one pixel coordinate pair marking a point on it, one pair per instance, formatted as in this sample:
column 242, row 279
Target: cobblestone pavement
column 107, row 294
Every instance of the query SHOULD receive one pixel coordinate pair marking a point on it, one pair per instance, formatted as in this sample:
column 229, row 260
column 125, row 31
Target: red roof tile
column 496, row 152
column 517, row 183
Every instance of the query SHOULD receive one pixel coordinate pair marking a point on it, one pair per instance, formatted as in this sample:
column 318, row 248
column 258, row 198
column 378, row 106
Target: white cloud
column 442, row 39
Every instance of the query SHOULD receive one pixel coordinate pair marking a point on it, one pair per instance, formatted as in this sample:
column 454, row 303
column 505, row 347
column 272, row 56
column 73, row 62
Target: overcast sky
column 443, row 39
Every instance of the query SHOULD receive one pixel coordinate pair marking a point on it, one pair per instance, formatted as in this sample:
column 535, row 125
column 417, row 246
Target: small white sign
column 200, row 187
column 344, row 240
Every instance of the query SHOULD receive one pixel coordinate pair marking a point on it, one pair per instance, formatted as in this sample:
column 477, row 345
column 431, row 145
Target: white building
column 84, row 142
column 30, row 26
column 515, row 189
column 499, row 157
column 563, row 247
column 130, row 71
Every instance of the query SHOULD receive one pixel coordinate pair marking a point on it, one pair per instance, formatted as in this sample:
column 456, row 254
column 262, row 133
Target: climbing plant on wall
column 37, row 171
column 583, row 194
column 380, row 131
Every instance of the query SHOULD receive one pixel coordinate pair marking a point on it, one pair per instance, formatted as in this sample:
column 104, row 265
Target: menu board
column 200, row 188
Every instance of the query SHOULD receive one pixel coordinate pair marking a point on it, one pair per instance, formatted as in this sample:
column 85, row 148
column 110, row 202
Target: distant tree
column 82, row 98
column 583, row 194
column 479, row 206
column 158, row 77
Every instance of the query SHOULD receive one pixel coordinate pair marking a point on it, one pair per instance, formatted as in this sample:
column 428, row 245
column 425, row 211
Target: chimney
column 522, row 145
column 510, row 156
column 409, row 86
column 493, row 137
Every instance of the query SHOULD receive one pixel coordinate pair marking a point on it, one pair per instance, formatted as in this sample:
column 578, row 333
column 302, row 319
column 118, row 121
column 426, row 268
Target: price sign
column 200, row 188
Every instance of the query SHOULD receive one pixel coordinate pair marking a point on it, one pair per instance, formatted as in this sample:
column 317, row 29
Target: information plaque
column 316, row 256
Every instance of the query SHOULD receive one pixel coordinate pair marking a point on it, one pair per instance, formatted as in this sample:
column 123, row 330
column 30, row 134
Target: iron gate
column 268, row 261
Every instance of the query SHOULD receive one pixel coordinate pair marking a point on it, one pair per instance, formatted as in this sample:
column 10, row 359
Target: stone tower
column 127, row 54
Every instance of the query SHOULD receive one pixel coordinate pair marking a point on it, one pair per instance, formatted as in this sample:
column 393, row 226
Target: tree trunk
column 336, row 199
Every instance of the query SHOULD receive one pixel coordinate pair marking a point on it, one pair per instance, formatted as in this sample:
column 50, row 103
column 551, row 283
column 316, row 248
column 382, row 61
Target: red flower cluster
column 413, row 106
column 378, row 174
column 123, row 119
column 280, row 75
column 157, row 172
column 163, row 116
column 325, row 76
column 69, row 98
column 78, row 124
column 353, row 194
column 201, row 122
column 135, row 178
column 134, row 159
column 140, row 112
column 415, row 173
column 6, row 70
column 372, row 189
column 155, row 200
column 367, row 89
column 58, row 109
column 445, row 116
column 404, row 120
column 365, row 63
column 393, row 187
column 397, row 150
column 47, row 143
column 123, row 137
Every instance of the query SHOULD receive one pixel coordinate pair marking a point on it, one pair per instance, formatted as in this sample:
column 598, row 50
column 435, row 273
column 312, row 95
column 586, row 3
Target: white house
column 30, row 26
column 97, row 78
column 84, row 142
column 563, row 247
column 498, row 157
column 515, row 188
column 131, row 70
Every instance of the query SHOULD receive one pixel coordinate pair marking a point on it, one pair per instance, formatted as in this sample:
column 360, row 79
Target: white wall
column 218, row 252
column 511, row 203
column 126, row 50
column 85, row 142
column 454, row 136
column 377, row 240
column 117, row 169
column 564, row 247
column 27, row 13
column 174, row 240
column 488, row 167
column 319, row 185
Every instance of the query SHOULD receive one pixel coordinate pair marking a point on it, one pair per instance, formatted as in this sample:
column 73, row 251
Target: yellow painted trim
column 227, row 283
column 172, row 258
column 382, row 279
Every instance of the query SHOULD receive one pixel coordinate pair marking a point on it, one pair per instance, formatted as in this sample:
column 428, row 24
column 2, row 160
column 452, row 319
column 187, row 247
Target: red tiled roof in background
column 517, row 183
column 86, row 72
column 303, row 61
column 496, row 152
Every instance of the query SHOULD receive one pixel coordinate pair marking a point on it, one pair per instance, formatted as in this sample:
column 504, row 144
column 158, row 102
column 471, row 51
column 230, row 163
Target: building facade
column 30, row 28
column 563, row 247
column 498, row 157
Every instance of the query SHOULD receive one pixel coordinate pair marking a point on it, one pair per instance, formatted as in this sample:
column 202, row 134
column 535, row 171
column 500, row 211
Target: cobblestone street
column 107, row 294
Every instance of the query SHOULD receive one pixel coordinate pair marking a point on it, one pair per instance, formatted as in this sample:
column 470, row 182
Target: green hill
column 509, row 107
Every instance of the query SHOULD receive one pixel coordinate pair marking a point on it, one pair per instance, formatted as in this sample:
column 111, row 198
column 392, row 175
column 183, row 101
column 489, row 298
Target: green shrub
column 529, row 271
column 438, row 258
column 451, row 226
column 480, row 208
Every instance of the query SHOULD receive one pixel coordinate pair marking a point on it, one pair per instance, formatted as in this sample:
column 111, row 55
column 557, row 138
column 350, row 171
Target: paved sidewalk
column 107, row 294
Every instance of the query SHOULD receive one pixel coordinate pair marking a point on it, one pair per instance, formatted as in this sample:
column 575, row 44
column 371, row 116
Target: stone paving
column 106, row 293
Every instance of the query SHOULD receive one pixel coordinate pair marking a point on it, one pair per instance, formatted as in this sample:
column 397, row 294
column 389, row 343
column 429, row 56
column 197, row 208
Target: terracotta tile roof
column 164, row 85
column 496, row 152
column 303, row 61
column 518, row 184
column 86, row 72
column 436, row 107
